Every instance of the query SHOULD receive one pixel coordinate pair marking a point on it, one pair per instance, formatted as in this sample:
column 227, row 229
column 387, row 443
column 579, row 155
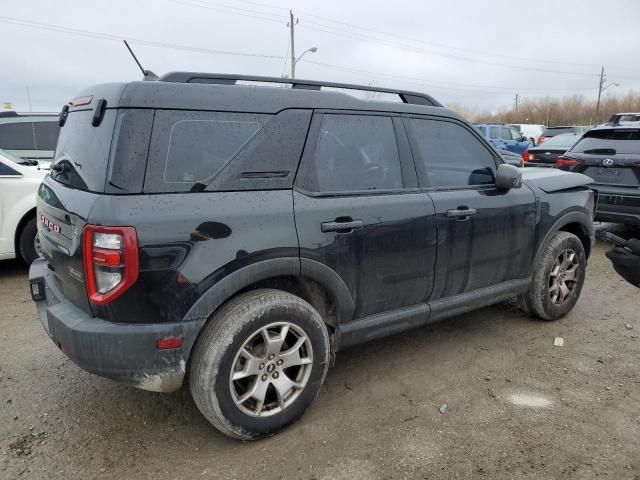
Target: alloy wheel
column 563, row 277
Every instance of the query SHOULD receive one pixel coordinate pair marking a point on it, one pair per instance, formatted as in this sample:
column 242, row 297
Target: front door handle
column 461, row 213
column 340, row 226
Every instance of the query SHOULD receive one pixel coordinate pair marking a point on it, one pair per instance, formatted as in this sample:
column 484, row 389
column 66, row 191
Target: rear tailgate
column 67, row 195
column 62, row 214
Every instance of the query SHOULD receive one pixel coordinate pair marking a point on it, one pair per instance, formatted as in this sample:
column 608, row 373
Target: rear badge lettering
column 48, row 223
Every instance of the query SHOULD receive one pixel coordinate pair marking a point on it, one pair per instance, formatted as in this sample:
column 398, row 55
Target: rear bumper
column 616, row 205
column 122, row 352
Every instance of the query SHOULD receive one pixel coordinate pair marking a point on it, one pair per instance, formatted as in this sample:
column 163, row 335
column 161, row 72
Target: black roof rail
column 415, row 98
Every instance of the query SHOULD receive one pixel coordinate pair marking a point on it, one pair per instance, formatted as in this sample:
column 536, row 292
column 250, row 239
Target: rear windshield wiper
column 601, row 151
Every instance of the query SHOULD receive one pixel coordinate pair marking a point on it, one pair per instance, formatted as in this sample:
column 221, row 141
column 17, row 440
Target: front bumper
column 124, row 352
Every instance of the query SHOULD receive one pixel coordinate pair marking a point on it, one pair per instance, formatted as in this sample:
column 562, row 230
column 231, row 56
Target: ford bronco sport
column 237, row 235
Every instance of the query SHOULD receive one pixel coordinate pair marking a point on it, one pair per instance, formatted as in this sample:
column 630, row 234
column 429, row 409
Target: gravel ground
column 516, row 405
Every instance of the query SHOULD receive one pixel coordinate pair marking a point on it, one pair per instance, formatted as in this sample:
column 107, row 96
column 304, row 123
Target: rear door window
column 46, row 135
column 17, row 136
column 449, row 155
column 355, row 153
column 190, row 148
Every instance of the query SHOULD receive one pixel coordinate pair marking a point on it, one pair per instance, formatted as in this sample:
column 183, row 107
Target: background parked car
column 550, row 132
column 504, row 137
column 29, row 136
column 545, row 155
column 530, row 130
column 511, row 158
column 611, row 156
column 624, row 118
column 18, row 187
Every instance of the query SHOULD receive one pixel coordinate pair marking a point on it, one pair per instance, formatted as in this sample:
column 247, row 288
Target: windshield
column 609, row 142
column 82, row 153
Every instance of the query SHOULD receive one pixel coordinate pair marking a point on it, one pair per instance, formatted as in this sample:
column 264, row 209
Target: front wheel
column 259, row 363
column 558, row 278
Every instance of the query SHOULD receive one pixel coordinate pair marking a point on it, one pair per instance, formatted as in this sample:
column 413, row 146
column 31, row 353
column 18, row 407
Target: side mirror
column 508, row 177
column 524, row 139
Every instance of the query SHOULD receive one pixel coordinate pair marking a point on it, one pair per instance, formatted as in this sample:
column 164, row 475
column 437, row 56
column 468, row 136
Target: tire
column 27, row 240
column 546, row 299
column 217, row 354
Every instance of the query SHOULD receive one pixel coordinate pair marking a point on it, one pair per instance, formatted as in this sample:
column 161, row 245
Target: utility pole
column 516, row 102
column 603, row 78
column 292, row 23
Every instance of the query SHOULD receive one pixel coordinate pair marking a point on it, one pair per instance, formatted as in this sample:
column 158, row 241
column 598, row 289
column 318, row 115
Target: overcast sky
column 475, row 53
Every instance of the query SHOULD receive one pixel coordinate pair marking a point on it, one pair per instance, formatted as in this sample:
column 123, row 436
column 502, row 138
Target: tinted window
column 82, row 153
column 17, row 136
column 355, row 152
column 7, row 170
column 609, row 142
column 189, row 148
column 46, row 135
column 199, row 148
column 451, row 156
column 550, row 132
column 565, row 140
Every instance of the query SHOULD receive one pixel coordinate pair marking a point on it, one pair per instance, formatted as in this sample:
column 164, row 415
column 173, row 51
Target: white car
column 530, row 130
column 18, row 188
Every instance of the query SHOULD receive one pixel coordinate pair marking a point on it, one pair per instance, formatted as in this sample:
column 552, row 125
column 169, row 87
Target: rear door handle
column 341, row 226
column 461, row 213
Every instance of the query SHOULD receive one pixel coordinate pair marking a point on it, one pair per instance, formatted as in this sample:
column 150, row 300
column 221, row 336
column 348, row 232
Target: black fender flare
column 236, row 281
column 581, row 218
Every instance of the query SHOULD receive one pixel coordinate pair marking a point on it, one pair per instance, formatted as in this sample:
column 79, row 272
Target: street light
column 295, row 61
column 602, row 88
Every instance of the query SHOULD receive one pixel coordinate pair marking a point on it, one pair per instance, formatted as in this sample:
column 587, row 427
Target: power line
column 351, row 26
column 106, row 36
column 439, row 84
column 361, row 37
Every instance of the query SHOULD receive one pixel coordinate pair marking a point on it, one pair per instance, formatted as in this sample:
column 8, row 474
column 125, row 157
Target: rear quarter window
column 190, row 148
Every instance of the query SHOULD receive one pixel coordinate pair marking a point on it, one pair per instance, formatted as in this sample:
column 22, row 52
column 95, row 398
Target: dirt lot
column 518, row 406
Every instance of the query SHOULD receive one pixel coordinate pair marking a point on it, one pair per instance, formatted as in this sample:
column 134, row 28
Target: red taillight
column 169, row 343
column 527, row 157
column 563, row 162
column 110, row 256
column 541, row 139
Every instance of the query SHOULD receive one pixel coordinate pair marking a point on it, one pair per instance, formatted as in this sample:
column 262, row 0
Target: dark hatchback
column 551, row 132
column 611, row 156
column 545, row 155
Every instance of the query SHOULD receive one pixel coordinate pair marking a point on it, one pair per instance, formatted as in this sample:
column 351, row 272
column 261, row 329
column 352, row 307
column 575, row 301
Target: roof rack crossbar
column 409, row 97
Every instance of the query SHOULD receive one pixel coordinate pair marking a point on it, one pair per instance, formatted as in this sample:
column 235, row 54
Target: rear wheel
column 29, row 242
column 558, row 278
column 259, row 363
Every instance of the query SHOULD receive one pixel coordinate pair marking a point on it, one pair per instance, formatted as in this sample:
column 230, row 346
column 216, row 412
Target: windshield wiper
column 601, row 151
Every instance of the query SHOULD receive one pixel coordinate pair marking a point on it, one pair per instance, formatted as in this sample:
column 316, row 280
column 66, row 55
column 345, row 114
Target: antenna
column 147, row 74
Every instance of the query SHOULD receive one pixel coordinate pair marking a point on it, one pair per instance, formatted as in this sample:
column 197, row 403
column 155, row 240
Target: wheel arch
column 577, row 223
column 312, row 281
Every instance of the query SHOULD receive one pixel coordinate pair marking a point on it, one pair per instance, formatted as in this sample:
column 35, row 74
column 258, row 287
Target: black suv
column 241, row 234
column 611, row 156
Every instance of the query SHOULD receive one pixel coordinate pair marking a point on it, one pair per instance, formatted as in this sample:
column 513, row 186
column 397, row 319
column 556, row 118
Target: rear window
column 549, row 132
column 609, row 142
column 17, row 136
column 82, row 154
column 46, row 134
column 564, row 140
